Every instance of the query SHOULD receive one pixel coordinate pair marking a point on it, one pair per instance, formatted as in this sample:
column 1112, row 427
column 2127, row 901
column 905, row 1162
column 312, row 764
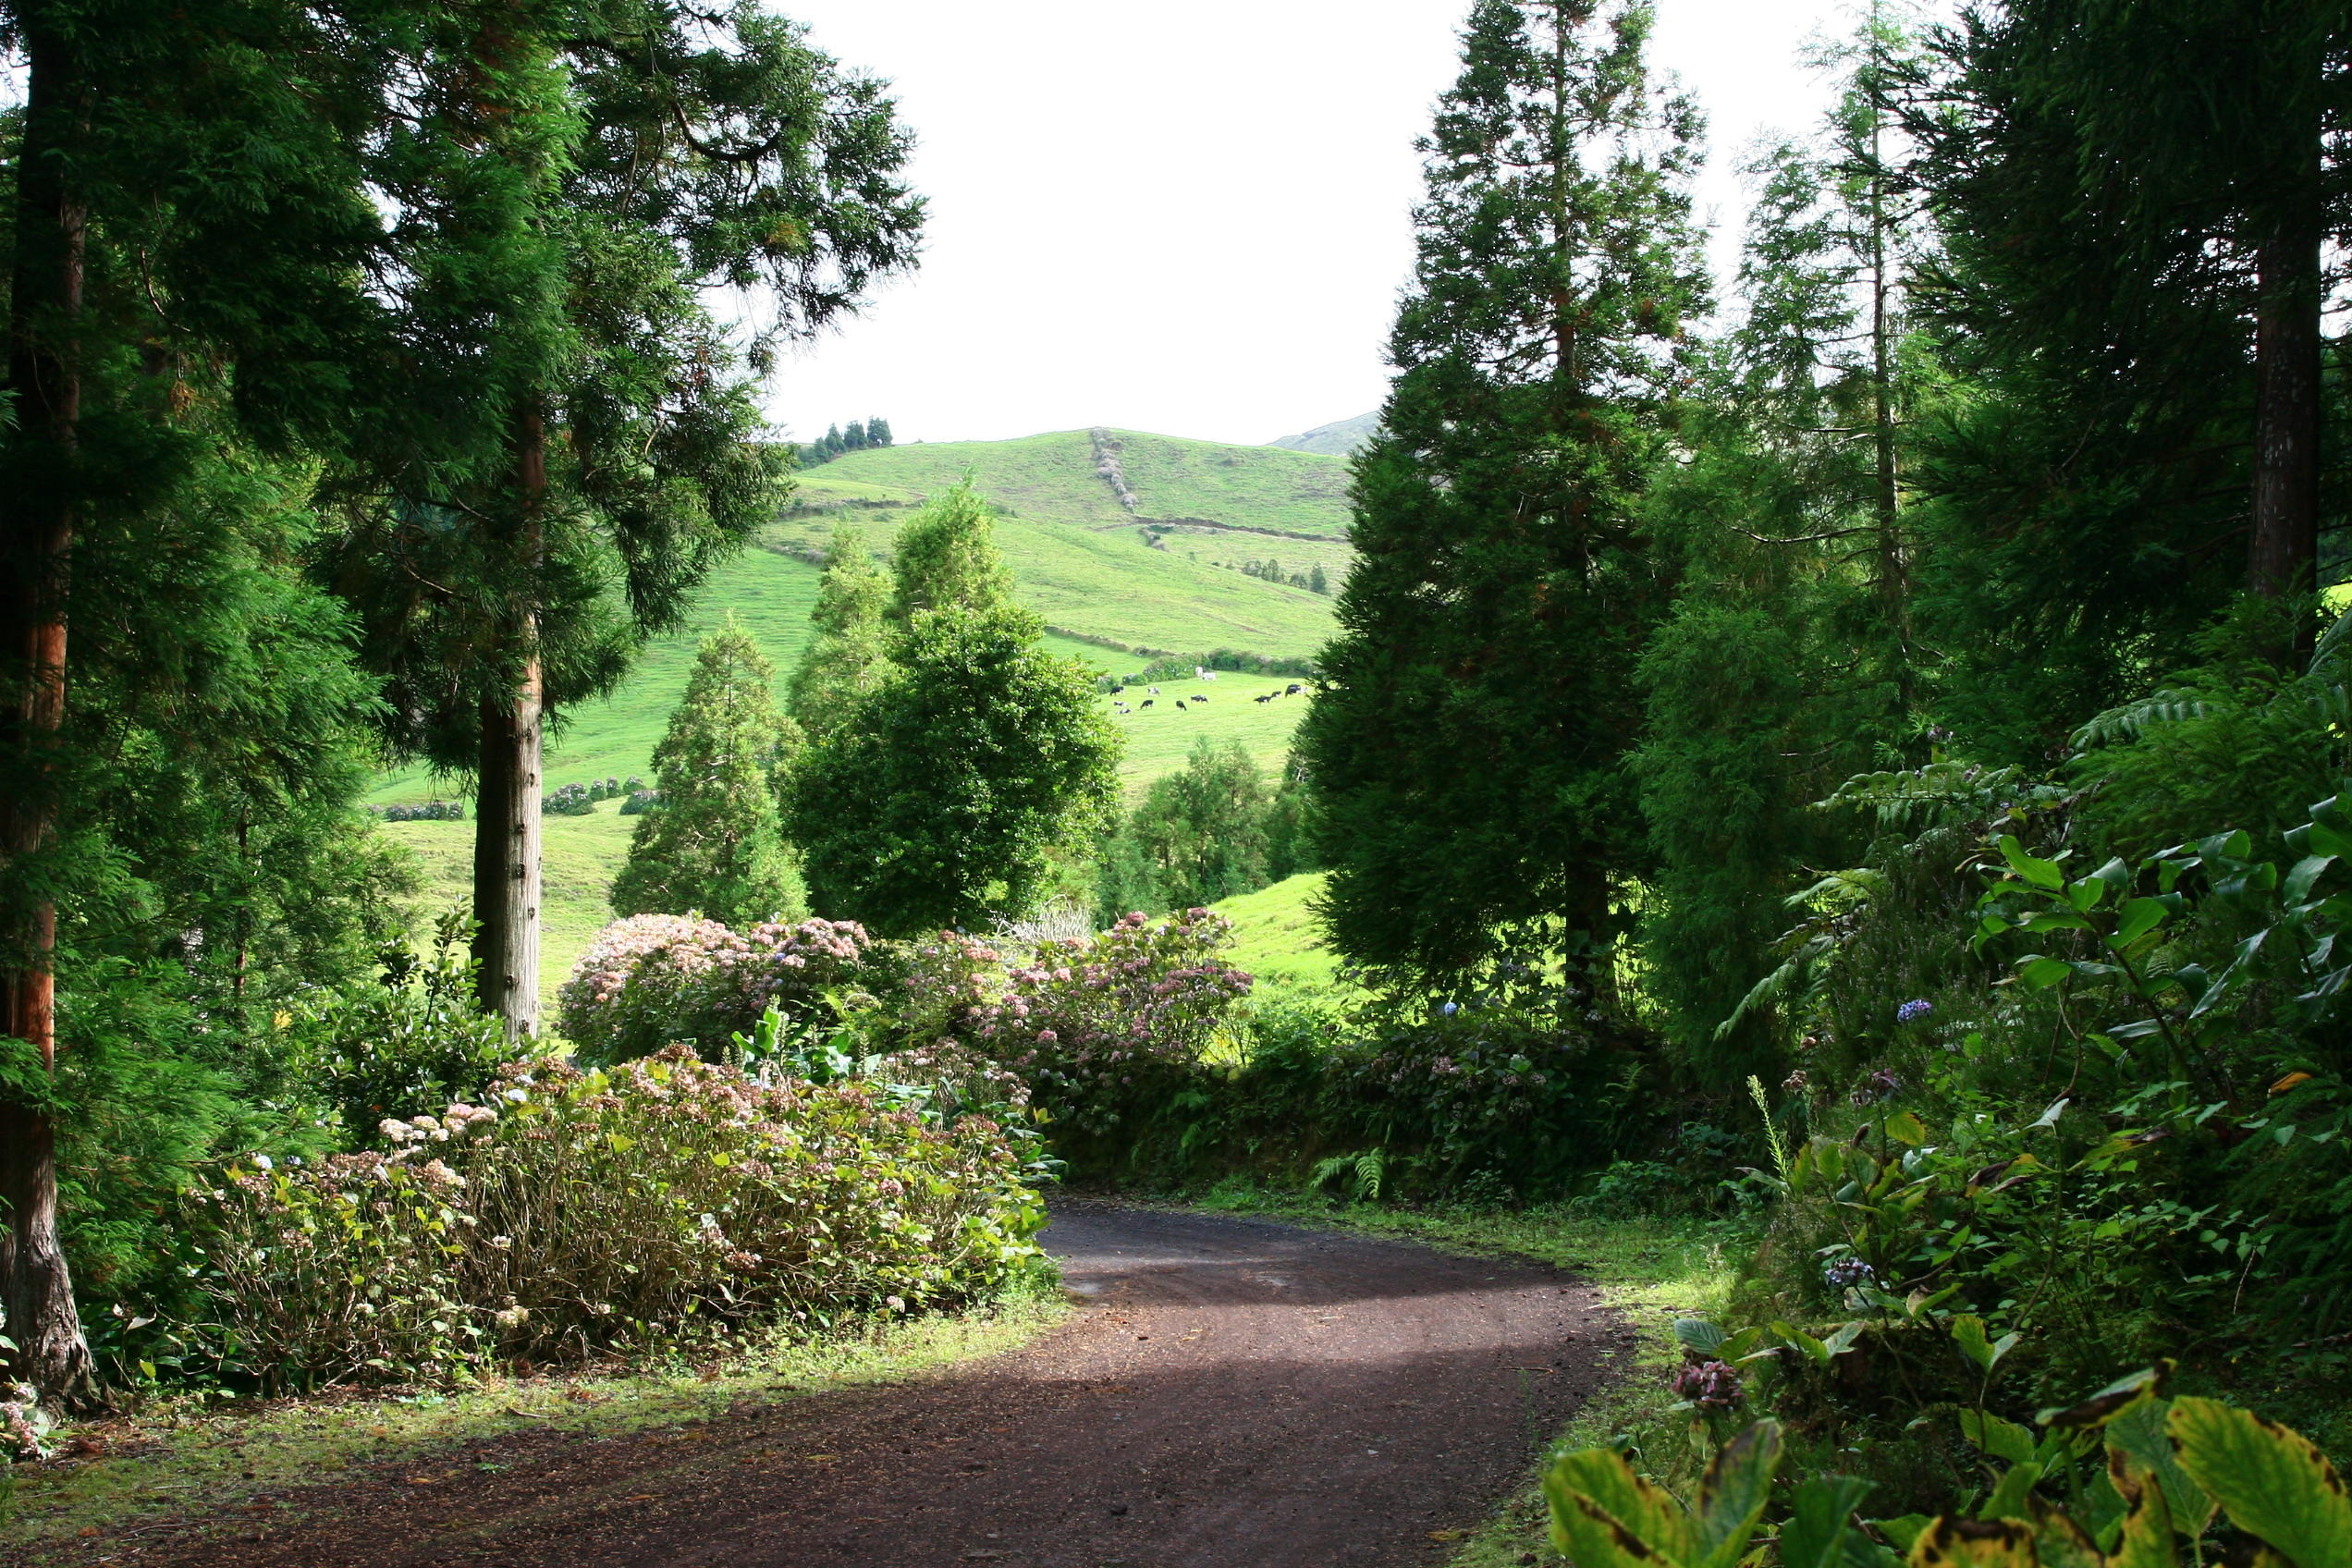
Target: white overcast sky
column 1189, row 218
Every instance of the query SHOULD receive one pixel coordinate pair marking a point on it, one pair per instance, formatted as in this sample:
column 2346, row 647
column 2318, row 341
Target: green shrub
column 664, row 1200
column 653, row 980
column 412, row 1041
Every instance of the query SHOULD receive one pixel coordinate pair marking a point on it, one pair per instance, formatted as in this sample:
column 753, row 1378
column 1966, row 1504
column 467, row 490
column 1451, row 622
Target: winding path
column 1232, row 1393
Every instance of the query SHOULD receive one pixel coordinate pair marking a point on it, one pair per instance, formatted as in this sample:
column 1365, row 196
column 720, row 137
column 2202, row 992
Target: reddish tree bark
column 36, row 540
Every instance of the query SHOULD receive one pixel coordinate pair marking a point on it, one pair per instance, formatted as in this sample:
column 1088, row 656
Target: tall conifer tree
column 171, row 166
column 1785, row 665
column 850, row 653
column 715, row 844
column 500, row 583
column 948, row 555
column 1470, row 744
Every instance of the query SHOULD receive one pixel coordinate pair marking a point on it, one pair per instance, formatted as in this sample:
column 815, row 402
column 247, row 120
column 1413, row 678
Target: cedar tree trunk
column 36, row 535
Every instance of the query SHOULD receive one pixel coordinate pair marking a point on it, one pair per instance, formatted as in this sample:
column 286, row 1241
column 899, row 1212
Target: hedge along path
column 1231, row 1393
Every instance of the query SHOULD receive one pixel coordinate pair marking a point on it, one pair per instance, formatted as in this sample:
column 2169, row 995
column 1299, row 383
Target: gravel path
column 1232, row 1393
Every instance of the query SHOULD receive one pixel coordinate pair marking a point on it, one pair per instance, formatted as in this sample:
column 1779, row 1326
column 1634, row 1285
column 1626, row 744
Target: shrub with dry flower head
column 1094, row 1023
column 655, row 980
column 660, row 1200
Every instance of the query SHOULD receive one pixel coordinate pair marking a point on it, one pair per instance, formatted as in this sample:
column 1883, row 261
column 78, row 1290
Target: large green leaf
column 1605, row 1516
column 1821, row 1532
column 1968, row 1334
column 2138, row 1447
column 2275, row 1483
column 2038, row 873
column 2003, row 1440
column 2145, row 1540
column 2139, row 917
column 1732, row 1493
column 1698, row 1334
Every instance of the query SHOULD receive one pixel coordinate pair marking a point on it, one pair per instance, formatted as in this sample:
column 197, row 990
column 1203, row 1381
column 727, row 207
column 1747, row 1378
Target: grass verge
column 185, row 1459
column 1652, row 1268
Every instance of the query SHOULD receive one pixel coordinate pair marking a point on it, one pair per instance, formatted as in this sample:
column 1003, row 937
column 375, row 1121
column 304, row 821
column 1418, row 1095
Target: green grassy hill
column 1277, row 938
column 1078, row 559
column 1166, row 575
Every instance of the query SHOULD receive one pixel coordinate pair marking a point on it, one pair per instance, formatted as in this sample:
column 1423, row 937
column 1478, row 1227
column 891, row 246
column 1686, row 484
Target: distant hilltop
column 1341, row 439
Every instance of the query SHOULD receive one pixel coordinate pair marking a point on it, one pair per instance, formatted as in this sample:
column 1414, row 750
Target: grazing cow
column 1146, row 702
column 1155, row 691
column 1293, row 690
column 1179, row 702
column 1199, row 699
column 1263, row 697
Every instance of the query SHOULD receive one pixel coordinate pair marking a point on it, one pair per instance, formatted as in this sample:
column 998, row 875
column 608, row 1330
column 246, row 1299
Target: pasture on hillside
column 584, row 853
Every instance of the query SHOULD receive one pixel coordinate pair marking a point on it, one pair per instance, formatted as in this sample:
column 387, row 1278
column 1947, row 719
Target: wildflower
column 1710, row 1385
column 1912, row 1012
column 1880, row 1085
column 512, row 1317
column 261, row 1162
column 1848, row 1273
column 1795, row 1082
column 1450, row 1008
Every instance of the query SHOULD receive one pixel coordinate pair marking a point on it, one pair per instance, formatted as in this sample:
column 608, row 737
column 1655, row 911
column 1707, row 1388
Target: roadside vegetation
column 1820, row 795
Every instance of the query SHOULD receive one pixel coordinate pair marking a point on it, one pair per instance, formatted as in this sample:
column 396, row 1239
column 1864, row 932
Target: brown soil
column 1234, row 1393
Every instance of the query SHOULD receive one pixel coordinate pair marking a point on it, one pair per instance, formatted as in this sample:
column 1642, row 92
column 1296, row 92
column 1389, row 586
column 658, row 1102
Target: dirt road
column 1232, row 1393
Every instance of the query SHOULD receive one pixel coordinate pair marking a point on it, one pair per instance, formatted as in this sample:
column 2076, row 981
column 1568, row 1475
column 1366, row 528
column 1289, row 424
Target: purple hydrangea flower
column 1846, row 1273
column 1450, row 1008
column 1912, row 1012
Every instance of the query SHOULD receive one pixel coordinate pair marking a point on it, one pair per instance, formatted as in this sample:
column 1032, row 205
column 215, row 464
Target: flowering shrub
column 664, row 1198
column 411, row 1041
column 655, row 979
column 1087, row 1019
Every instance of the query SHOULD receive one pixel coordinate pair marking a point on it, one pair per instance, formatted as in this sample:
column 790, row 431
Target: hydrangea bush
column 655, row 980
column 665, row 1199
column 1092, row 1022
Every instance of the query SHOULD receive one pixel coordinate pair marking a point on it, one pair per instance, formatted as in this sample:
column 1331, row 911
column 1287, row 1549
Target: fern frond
column 1369, row 1170
column 2132, row 721
column 1788, row 979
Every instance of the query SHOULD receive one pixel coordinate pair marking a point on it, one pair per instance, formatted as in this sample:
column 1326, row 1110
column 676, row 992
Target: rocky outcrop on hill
column 1107, row 466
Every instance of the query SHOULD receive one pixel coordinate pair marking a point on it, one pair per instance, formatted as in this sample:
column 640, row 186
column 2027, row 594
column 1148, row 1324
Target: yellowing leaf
column 1974, row 1543
column 1605, row 1516
column 2275, row 1483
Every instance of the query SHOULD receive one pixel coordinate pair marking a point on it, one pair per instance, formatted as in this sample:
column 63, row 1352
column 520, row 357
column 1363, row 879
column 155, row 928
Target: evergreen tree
column 947, row 555
column 1785, row 664
column 1469, row 746
column 553, row 502
column 946, row 795
column 715, row 844
column 878, row 432
column 830, row 445
column 853, row 438
column 168, row 165
column 850, row 655
column 2132, row 200
column 1315, row 582
column 1199, row 835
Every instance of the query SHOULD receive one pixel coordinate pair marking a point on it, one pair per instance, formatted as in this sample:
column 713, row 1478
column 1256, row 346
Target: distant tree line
column 1312, row 579
column 875, row 432
column 1212, row 830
